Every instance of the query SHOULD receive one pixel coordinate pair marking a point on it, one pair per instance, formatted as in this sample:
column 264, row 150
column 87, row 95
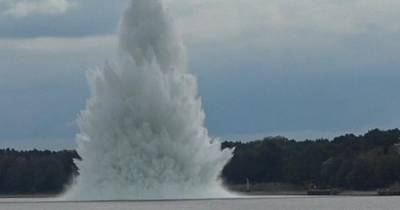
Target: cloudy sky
column 301, row 68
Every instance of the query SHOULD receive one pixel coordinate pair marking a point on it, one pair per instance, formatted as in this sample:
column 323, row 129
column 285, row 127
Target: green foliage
column 362, row 162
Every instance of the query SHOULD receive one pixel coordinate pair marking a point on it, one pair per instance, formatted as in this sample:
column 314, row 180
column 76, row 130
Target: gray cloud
column 19, row 8
column 266, row 22
column 85, row 18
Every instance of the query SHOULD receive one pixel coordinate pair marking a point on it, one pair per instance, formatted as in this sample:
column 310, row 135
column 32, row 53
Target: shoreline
column 279, row 189
column 304, row 193
column 240, row 193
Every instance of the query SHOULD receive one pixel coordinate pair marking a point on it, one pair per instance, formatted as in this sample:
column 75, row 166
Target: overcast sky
column 299, row 68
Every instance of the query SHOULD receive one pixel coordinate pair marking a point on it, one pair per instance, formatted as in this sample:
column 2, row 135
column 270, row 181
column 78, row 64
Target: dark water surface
column 244, row 203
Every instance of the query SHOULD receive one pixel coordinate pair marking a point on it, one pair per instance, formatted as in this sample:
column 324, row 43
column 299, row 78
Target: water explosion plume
column 142, row 134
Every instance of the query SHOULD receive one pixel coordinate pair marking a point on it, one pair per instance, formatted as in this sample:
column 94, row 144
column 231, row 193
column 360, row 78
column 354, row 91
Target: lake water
column 245, row 203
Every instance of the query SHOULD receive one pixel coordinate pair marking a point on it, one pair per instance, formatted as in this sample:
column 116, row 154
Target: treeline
column 364, row 162
column 35, row 172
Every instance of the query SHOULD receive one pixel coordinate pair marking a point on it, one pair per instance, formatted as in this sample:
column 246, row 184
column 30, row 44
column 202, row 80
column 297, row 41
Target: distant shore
column 29, row 195
column 258, row 189
column 304, row 192
column 255, row 193
column 287, row 189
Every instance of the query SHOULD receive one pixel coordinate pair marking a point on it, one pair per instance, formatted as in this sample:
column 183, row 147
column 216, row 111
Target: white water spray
column 142, row 134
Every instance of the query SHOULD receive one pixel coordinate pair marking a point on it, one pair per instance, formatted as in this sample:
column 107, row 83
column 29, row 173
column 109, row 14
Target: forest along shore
column 285, row 189
column 368, row 162
column 346, row 165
